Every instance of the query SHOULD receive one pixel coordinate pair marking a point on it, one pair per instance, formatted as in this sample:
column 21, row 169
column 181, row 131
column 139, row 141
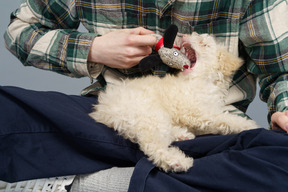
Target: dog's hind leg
column 155, row 138
column 152, row 131
column 227, row 123
column 164, row 156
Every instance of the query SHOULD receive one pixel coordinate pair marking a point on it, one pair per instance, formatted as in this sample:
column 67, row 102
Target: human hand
column 123, row 48
column 279, row 121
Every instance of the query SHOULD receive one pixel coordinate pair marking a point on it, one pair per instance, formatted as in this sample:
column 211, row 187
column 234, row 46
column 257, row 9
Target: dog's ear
column 169, row 36
column 228, row 63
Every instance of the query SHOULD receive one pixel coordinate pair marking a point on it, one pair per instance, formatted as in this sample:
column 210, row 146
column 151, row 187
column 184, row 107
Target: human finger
column 141, row 31
column 279, row 120
column 138, row 51
column 141, row 40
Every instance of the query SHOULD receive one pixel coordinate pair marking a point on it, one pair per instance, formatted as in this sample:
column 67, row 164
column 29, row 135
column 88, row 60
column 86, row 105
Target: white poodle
column 154, row 112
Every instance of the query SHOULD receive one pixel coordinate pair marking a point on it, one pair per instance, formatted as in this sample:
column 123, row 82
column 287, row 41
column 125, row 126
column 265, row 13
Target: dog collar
column 160, row 44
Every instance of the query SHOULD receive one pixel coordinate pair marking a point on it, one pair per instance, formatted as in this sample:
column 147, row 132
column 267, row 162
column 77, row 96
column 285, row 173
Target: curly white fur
column 154, row 112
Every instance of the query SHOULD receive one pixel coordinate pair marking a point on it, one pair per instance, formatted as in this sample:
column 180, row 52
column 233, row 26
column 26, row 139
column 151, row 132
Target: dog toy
column 168, row 53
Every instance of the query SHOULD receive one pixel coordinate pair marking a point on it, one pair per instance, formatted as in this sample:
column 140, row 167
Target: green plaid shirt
column 43, row 34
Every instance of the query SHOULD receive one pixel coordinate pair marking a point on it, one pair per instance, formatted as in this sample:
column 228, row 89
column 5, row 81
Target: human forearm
column 266, row 51
column 47, row 45
column 275, row 92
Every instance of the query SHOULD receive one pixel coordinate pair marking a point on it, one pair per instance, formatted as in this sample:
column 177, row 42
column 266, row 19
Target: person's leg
column 48, row 134
column 253, row 160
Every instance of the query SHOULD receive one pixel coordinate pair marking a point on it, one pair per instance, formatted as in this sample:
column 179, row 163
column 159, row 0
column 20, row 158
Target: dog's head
column 207, row 57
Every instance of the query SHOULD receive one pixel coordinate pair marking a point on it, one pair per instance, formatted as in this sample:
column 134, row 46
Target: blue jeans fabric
column 48, row 134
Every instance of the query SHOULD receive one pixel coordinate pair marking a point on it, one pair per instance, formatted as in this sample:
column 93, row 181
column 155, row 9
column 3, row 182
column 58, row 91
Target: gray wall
column 13, row 73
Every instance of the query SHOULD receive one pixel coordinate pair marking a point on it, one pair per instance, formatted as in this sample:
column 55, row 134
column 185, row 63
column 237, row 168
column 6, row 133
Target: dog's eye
column 176, row 53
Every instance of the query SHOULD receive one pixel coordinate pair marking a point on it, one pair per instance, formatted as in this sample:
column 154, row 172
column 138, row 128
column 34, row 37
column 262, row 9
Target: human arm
column 265, row 38
column 277, row 100
column 44, row 34
column 279, row 120
column 122, row 49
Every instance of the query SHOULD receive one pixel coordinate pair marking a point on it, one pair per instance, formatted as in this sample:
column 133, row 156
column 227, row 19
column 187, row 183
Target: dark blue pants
column 47, row 134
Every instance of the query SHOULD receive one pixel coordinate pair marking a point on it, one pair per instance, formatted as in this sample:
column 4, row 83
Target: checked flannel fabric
column 43, row 34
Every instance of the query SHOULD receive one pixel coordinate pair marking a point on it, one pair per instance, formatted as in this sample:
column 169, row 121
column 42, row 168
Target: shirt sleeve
column 264, row 34
column 44, row 34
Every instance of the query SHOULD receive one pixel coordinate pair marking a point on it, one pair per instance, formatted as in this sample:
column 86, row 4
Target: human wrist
column 94, row 54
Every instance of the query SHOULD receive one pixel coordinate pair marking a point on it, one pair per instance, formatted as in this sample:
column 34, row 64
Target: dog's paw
column 181, row 166
column 175, row 161
column 184, row 137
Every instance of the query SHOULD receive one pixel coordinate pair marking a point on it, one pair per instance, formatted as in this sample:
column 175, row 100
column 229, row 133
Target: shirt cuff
column 94, row 69
column 78, row 47
column 278, row 100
